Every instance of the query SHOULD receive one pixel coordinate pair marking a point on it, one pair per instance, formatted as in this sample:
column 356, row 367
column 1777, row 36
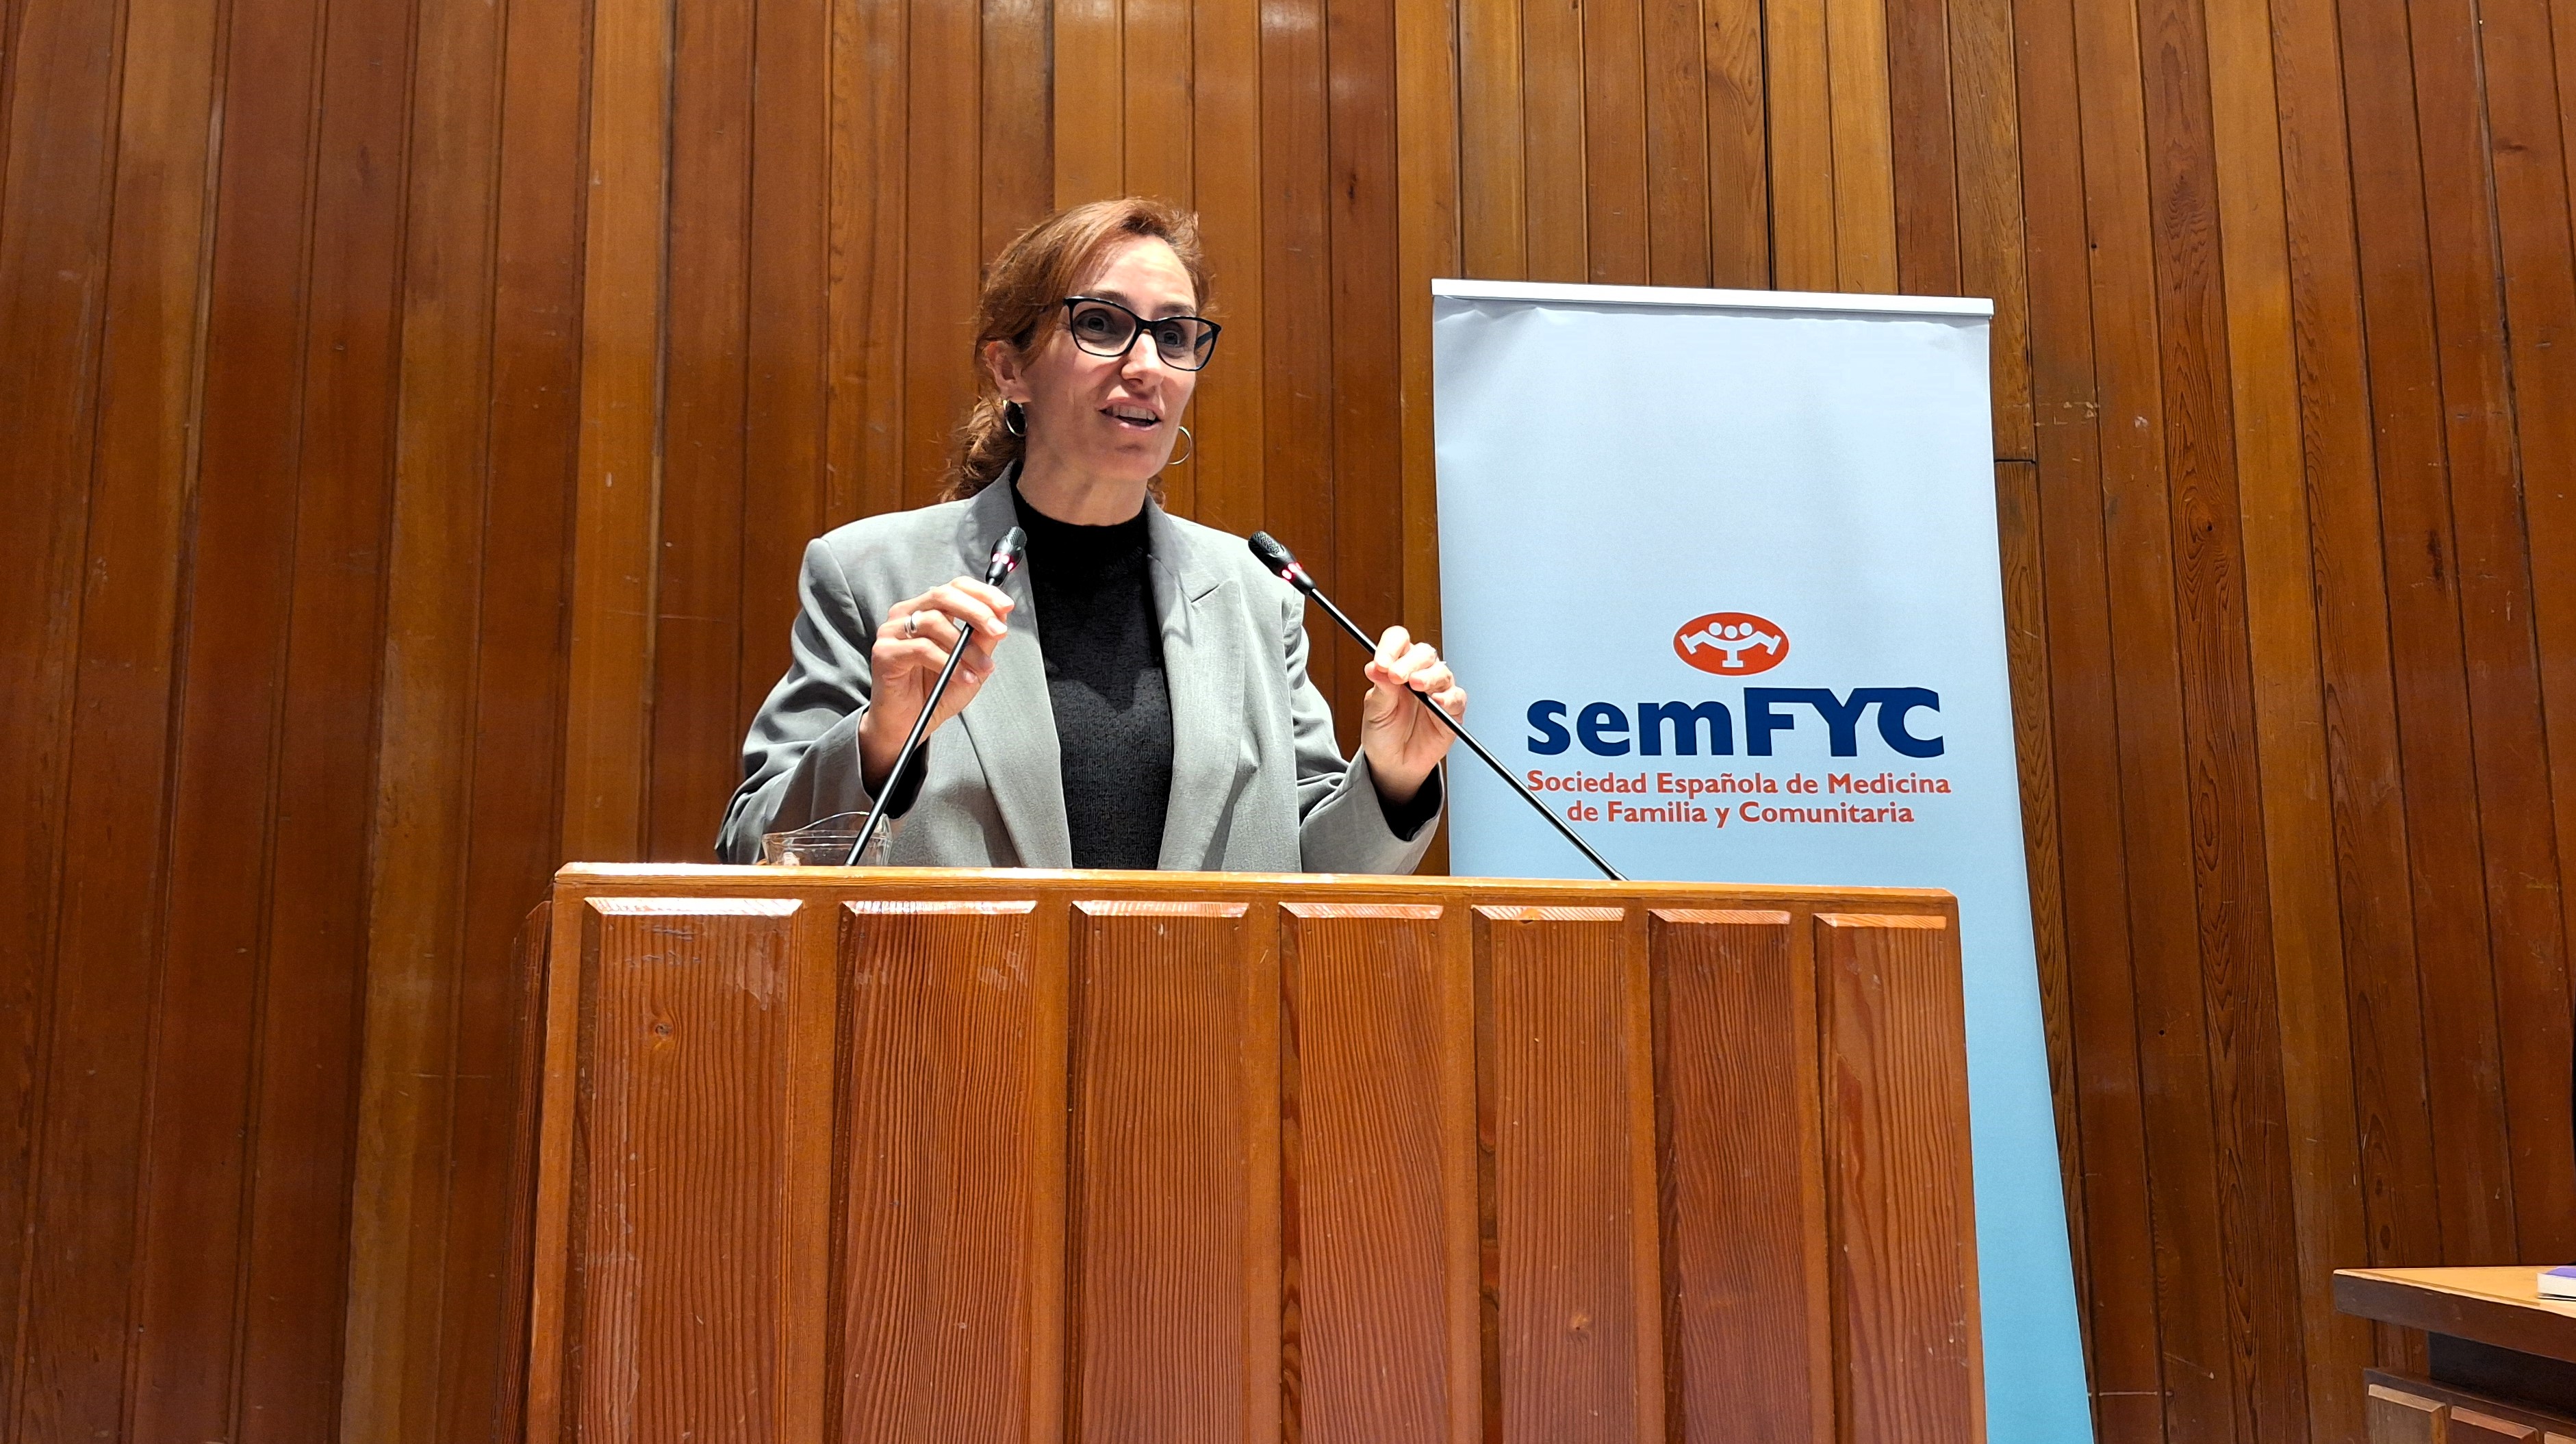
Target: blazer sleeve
column 800, row 761
column 1342, row 826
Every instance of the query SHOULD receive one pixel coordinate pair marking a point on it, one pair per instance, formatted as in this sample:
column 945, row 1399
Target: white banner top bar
column 1566, row 293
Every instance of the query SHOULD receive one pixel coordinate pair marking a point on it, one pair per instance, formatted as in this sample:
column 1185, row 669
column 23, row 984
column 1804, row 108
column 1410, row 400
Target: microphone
column 1005, row 560
column 1280, row 561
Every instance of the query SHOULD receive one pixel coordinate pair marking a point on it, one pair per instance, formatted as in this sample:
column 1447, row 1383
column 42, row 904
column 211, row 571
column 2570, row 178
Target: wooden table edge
column 2409, row 1300
column 720, row 879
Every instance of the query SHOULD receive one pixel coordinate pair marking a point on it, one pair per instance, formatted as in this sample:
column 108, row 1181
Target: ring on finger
column 912, row 624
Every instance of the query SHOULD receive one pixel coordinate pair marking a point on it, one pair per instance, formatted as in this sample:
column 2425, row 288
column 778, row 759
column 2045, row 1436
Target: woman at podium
column 1136, row 696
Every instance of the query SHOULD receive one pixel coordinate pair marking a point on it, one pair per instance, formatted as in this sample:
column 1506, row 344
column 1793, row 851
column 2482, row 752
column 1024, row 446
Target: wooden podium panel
column 1125, row 1158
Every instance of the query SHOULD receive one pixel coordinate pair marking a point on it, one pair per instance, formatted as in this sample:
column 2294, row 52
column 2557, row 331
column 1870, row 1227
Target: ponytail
column 985, row 448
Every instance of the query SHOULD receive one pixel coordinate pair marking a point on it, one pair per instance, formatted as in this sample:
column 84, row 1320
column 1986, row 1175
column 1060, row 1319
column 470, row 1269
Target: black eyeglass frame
column 1204, row 352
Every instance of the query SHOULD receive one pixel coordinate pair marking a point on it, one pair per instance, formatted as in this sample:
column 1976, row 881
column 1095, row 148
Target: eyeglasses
column 1105, row 328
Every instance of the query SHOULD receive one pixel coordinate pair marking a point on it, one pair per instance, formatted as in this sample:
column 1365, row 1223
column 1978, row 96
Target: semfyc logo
column 1731, row 644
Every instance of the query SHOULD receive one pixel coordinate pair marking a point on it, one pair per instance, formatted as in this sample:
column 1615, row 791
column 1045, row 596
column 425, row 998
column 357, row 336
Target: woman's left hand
column 1401, row 740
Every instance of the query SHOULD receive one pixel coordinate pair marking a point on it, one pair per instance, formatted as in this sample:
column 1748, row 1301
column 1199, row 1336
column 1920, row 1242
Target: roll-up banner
column 1720, row 571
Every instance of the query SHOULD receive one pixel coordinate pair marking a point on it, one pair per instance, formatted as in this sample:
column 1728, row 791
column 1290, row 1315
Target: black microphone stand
column 1280, row 560
column 1006, row 559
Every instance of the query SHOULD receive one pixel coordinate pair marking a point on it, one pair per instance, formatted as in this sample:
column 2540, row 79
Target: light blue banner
column 1654, row 500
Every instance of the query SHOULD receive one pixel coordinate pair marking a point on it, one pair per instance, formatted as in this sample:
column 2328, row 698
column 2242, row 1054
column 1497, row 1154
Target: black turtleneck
column 1094, row 590
column 1104, row 667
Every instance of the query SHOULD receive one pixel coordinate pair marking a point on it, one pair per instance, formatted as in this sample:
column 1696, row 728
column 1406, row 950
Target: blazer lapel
column 1203, row 668
column 1012, row 721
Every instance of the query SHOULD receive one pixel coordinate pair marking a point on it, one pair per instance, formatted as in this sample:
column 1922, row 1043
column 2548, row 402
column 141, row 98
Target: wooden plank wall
column 411, row 411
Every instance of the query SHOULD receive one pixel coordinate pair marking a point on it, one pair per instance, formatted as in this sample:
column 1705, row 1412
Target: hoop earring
column 1186, row 455
column 1014, row 419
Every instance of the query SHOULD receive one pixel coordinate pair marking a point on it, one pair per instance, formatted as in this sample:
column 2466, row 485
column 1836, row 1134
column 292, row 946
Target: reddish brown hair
column 1023, row 306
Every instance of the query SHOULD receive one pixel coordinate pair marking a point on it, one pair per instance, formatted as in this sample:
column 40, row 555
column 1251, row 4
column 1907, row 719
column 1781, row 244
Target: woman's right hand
column 908, row 655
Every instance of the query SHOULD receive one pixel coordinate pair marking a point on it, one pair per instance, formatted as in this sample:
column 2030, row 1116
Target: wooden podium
column 1126, row 1158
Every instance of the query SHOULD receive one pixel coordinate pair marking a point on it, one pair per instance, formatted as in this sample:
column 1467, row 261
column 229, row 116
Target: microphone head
column 1279, row 559
column 1006, row 556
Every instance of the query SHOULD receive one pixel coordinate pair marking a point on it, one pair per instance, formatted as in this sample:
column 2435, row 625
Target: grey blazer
column 1257, row 782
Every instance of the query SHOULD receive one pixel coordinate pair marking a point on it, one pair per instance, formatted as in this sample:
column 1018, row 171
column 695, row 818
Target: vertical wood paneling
column 1580, row 1327
column 42, row 592
column 519, row 682
column 106, row 195
column 2107, row 1169
column 2531, row 111
column 1904, row 1304
column 311, row 997
column 1016, row 155
column 1367, row 536
column 2537, row 256
column 1297, row 414
column 1492, row 172
column 2289, row 704
column 553, row 1294
column 1614, row 141
column 1174, row 1074
column 506, row 1378
column 1748, row 1320
column 2364, row 778
column 787, row 481
column 941, row 128
column 1987, row 130
column 1017, row 159
column 690, row 1131
column 1555, row 199
column 2231, row 909
column 1798, row 88
column 2565, row 46
column 1924, row 163
column 2180, row 1166
column 697, row 595
column 1739, row 174
column 206, row 1041
column 2526, row 960
column 616, row 531
column 1864, row 187
column 424, row 774
column 1370, row 1035
column 870, row 194
column 1154, row 37
column 1677, row 143
column 1090, row 101
column 9, row 14
column 2443, row 857
column 1466, row 1098
column 1227, row 442
column 941, row 1189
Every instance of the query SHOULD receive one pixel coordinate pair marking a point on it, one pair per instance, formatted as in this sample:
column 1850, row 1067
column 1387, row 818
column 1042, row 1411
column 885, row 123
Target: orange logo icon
column 1731, row 644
